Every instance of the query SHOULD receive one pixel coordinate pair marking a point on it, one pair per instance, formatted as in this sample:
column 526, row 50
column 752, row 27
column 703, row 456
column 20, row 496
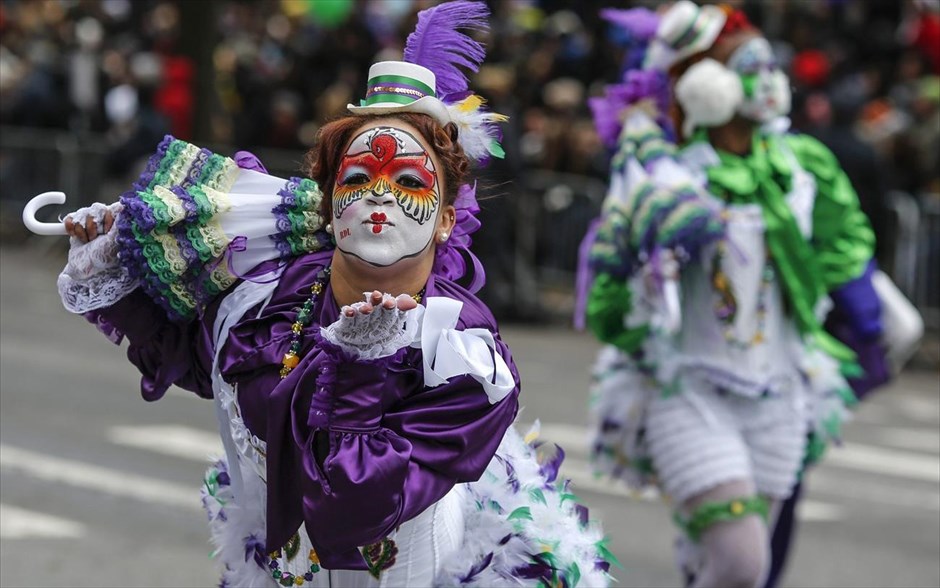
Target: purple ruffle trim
column 450, row 261
column 130, row 252
column 639, row 24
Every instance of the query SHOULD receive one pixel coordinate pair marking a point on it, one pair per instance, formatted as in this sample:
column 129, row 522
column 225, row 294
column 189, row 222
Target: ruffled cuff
column 858, row 301
column 359, row 407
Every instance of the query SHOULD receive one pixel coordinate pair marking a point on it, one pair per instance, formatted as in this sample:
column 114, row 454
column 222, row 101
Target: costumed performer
column 721, row 247
column 365, row 398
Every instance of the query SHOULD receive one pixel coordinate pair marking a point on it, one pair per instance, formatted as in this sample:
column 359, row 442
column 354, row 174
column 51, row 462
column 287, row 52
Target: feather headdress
column 438, row 44
column 432, row 79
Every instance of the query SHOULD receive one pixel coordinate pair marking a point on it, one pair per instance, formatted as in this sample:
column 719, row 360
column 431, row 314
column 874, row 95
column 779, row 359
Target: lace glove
column 373, row 334
column 93, row 278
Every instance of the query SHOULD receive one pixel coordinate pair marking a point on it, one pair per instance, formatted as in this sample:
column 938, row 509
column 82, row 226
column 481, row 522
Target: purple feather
column 549, row 469
column 476, row 569
column 254, row 547
column 640, row 23
column 437, row 44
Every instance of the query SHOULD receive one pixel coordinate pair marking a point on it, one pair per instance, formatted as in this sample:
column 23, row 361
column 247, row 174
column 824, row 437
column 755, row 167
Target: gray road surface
column 99, row 488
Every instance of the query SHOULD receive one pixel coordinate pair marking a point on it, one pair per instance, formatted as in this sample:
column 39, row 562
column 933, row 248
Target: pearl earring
column 328, row 228
column 443, row 237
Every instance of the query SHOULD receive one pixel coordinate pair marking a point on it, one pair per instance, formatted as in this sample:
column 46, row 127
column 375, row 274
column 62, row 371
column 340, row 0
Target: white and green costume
column 752, row 245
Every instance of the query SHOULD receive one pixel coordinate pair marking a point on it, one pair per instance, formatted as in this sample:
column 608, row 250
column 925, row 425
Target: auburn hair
column 322, row 162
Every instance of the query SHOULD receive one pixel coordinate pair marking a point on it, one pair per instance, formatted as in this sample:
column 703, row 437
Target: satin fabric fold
column 394, row 446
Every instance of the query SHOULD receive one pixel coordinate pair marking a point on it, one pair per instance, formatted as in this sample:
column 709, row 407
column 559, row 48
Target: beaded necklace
column 305, row 316
column 726, row 306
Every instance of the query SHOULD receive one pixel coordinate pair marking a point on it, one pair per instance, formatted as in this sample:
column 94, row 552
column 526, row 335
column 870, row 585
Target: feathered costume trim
column 523, row 527
column 438, row 45
column 170, row 232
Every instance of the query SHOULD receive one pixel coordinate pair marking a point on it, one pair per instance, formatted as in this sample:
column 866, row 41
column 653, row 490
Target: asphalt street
column 100, row 488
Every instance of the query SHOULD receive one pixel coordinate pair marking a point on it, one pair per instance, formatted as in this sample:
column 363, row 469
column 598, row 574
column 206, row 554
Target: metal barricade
column 555, row 210
column 901, row 240
column 927, row 284
column 39, row 160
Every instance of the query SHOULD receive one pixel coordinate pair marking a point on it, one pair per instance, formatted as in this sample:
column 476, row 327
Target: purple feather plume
column 438, row 45
column 640, row 23
column 549, row 469
column 476, row 569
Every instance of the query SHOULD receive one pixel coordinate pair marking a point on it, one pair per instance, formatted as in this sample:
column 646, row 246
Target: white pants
column 700, row 438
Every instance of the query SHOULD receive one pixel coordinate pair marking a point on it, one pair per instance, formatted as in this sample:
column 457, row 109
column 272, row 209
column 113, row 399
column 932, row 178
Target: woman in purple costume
column 365, row 398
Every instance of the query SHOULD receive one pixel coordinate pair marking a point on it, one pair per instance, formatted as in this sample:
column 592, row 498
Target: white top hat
column 399, row 86
column 684, row 30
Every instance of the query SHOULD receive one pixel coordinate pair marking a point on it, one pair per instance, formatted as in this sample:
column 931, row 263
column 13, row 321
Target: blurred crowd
column 863, row 72
column 265, row 74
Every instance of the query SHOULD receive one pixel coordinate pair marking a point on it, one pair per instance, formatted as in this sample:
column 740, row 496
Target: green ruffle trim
column 304, row 218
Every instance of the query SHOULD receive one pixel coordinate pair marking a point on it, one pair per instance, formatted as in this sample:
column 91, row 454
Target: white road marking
column 173, row 440
column 582, row 479
column 852, row 455
column 829, row 482
column 94, row 477
column 910, row 438
column 891, row 462
column 816, row 511
column 888, row 489
column 19, row 523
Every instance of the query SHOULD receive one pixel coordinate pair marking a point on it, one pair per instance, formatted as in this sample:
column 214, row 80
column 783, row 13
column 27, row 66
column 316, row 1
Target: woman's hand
column 383, row 301
column 376, row 327
column 88, row 255
column 87, row 221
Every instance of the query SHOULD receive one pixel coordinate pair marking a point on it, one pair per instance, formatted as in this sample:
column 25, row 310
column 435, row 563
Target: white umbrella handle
column 37, row 202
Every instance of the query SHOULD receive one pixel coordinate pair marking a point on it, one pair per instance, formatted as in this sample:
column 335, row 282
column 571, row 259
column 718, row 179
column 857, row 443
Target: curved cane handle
column 37, row 202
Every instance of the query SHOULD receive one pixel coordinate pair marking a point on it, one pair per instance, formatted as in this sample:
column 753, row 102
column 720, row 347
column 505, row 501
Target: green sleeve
column 608, row 303
column 843, row 239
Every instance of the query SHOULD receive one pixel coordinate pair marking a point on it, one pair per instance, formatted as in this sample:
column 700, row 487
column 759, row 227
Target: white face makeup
column 386, row 197
column 766, row 87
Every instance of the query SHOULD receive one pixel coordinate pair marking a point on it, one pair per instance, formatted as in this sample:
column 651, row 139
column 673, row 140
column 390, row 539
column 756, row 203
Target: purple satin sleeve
column 355, row 448
column 164, row 352
column 394, row 448
column 858, row 304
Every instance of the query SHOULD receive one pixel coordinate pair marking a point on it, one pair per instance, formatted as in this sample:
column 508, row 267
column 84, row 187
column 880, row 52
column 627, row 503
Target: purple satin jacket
column 392, row 446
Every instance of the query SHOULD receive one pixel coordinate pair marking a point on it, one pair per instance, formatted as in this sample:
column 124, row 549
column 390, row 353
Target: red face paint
column 385, row 167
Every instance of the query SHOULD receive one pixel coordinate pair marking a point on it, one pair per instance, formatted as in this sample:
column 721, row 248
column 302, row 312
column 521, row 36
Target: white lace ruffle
column 93, row 277
column 378, row 334
column 252, row 450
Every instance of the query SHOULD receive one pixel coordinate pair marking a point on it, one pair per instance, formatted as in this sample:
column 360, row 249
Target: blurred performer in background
column 723, row 244
column 361, row 391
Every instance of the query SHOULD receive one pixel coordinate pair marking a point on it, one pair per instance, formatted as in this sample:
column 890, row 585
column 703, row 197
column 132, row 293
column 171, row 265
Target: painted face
column 386, row 197
column 766, row 87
